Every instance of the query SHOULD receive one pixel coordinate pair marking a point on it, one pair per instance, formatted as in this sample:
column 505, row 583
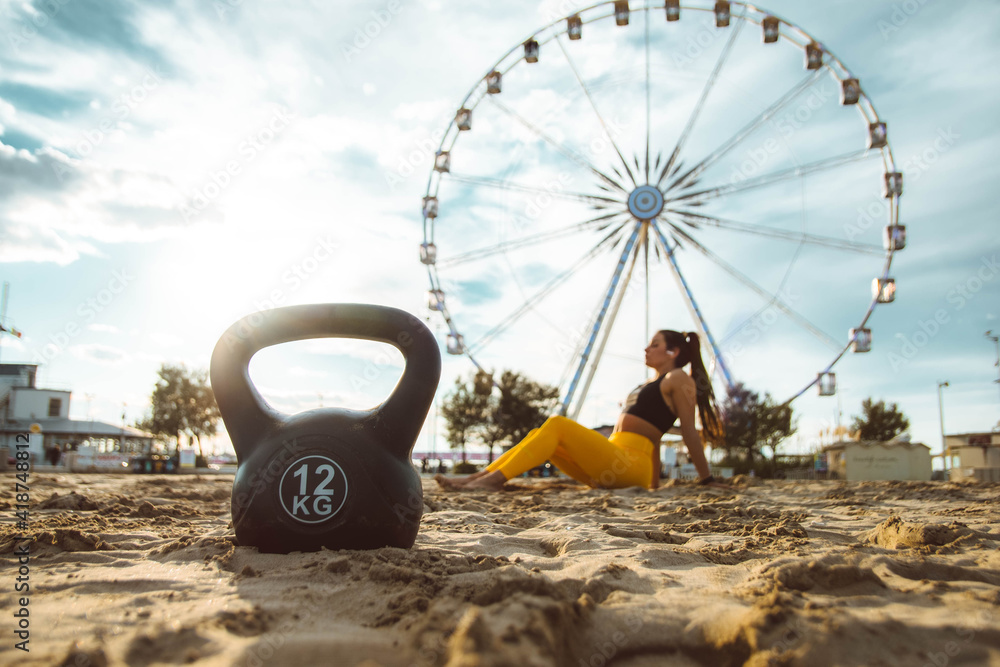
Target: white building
column 869, row 461
column 42, row 416
column 973, row 456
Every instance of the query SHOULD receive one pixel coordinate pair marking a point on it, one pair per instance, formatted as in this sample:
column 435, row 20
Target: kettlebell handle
column 396, row 422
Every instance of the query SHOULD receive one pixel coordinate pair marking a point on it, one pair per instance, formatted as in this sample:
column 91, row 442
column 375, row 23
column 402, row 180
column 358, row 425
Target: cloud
column 55, row 208
column 42, row 172
column 111, row 25
column 44, row 101
column 25, row 242
column 20, row 140
column 100, row 354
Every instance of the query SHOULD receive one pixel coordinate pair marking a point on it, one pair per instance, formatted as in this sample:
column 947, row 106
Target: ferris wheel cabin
column 893, row 185
column 850, row 92
column 574, row 27
column 455, row 344
column 621, row 12
column 861, row 340
column 428, row 253
column 827, row 383
column 771, row 26
column 442, row 162
column 884, row 290
column 878, row 136
column 435, row 300
column 894, row 238
column 531, row 51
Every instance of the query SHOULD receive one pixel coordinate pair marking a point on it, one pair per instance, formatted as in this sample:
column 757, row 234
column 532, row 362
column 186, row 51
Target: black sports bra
column 646, row 402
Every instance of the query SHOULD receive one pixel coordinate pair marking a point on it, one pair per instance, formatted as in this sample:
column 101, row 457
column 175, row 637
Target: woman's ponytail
column 690, row 353
column 711, row 425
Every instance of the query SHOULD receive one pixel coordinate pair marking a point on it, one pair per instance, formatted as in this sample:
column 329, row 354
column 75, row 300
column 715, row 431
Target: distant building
column 43, row 415
column 973, row 456
column 857, row 461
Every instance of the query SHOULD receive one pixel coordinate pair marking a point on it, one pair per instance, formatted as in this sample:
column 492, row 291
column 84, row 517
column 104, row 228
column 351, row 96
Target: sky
column 167, row 168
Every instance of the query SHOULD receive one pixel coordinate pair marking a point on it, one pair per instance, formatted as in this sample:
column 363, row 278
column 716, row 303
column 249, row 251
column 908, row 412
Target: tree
column 464, row 411
column 501, row 415
column 878, row 422
column 203, row 418
column 753, row 423
column 520, row 406
column 182, row 404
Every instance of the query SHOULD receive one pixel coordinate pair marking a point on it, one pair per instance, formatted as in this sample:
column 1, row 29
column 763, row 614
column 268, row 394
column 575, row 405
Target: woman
column 631, row 456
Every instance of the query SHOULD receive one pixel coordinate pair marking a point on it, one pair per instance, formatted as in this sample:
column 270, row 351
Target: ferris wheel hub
column 645, row 202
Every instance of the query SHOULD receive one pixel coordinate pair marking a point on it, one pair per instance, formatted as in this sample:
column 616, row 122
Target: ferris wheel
column 701, row 166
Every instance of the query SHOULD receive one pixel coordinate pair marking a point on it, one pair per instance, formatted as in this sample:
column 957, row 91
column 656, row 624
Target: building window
column 55, row 406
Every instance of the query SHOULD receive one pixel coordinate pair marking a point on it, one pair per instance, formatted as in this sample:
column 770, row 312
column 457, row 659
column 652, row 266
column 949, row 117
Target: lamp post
column 121, row 441
column 996, row 341
column 945, row 451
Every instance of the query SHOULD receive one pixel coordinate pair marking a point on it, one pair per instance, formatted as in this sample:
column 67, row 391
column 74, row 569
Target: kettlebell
column 329, row 477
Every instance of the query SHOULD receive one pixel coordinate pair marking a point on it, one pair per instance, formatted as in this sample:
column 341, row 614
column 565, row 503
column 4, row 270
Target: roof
column 77, row 427
column 15, row 369
column 843, row 444
column 42, row 390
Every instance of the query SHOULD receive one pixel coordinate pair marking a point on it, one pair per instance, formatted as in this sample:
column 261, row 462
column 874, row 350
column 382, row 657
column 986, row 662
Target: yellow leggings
column 626, row 459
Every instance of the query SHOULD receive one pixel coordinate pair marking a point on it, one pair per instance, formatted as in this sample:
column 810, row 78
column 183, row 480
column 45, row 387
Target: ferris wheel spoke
column 602, row 313
column 697, row 219
column 580, row 345
column 606, row 328
column 706, row 333
column 489, row 251
column 648, row 94
column 593, row 105
column 567, row 152
column 713, row 77
column 692, row 174
column 646, row 277
column 764, row 180
column 551, row 192
column 769, row 297
column 609, row 240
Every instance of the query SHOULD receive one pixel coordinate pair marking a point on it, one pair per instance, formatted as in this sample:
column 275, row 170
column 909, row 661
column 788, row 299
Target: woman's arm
column 679, row 391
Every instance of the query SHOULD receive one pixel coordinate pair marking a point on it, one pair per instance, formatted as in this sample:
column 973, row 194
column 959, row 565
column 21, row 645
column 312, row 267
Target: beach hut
column 973, row 456
column 855, row 460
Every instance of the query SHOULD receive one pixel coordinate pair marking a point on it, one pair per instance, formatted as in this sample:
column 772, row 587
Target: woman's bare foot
column 482, row 480
column 454, row 482
column 491, row 481
column 449, row 483
column 714, row 483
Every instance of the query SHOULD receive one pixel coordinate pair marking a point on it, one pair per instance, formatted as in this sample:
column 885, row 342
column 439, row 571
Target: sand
column 145, row 570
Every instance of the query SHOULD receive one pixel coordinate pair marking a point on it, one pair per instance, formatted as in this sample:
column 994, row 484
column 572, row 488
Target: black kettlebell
column 329, row 477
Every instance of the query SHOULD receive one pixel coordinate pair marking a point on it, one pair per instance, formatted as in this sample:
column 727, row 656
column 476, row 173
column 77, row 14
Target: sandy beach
column 145, row 570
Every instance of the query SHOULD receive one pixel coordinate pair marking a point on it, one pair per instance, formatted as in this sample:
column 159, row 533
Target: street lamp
column 996, row 341
column 945, row 451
